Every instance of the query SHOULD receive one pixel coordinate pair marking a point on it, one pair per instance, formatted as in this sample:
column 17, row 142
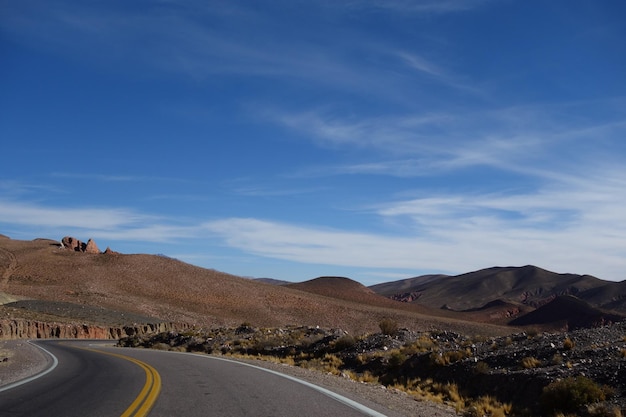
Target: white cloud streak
column 576, row 226
column 109, row 223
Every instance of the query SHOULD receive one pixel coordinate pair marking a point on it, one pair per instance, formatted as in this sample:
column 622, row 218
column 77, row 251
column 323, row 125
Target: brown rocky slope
column 167, row 290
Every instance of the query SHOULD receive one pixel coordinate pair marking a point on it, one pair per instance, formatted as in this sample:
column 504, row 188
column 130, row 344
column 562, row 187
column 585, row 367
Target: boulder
column 73, row 244
column 91, row 247
column 109, row 251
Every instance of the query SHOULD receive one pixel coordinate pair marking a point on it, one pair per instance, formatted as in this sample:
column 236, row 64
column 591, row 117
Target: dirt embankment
column 32, row 329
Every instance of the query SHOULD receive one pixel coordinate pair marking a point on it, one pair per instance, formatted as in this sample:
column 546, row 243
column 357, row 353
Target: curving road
column 93, row 379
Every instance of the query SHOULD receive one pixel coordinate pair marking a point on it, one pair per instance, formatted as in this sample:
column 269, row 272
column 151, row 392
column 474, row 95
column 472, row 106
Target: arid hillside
column 527, row 285
column 517, row 296
column 165, row 289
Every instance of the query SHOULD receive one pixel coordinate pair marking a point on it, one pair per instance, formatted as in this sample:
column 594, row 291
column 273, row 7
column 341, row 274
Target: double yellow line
column 150, row 391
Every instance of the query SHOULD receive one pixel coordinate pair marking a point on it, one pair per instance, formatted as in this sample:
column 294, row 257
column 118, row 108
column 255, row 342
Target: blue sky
column 372, row 139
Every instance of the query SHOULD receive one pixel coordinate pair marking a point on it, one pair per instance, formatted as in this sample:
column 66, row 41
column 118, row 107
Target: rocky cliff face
column 30, row 329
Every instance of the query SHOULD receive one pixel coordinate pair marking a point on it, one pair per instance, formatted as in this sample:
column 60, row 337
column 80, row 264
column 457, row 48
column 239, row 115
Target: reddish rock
column 32, row 329
column 71, row 243
column 91, row 247
column 108, row 251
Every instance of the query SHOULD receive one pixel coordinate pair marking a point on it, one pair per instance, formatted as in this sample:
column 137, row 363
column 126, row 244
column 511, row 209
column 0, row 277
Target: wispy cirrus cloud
column 200, row 42
column 116, row 177
column 421, row 64
column 420, row 7
column 435, row 72
column 536, row 140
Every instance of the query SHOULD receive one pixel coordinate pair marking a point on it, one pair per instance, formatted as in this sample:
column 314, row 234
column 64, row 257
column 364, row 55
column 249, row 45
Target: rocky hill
column 508, row 292
column 163, row 289
column 63, row 282
column 528, row 285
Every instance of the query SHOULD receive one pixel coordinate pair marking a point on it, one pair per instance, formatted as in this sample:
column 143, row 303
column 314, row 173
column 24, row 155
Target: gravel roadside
column 19, row 360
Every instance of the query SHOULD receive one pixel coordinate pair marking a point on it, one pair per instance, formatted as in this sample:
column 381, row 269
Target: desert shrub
column 181, row 349
column 450, row 356
column 568, row 344
column 309, row 340
column 557, row 359
column 530, row 362
column 424, row 344
column 388, row 327
column 429, row 390
column 161, row 346
column 344, row 342
column 366, row 376
column 482, row 368
column 328, row 363
column 265, row 344
column 622, row 353
column 487, row 406
column 603, row 410
column 570, row 394
column 396, row 359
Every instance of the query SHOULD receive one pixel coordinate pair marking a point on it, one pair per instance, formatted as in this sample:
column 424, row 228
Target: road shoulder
column 393, row 400
column 20, row 360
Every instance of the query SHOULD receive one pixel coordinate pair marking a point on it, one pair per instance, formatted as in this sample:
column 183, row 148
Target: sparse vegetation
column 482, row 367
column 443, row 367
column 487, row 406
column 450, row 356
column 529, row 362
column 388, row 326
column 557, row 359
column 571, row 394
column 344, row 342
column 396, row 359
column 603, row 410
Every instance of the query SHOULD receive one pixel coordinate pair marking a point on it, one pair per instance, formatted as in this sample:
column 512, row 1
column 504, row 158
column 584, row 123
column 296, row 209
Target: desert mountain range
column 43, row 279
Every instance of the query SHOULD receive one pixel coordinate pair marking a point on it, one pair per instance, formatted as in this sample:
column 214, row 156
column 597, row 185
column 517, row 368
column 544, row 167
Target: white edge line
column 347, row 401
column 55, row 362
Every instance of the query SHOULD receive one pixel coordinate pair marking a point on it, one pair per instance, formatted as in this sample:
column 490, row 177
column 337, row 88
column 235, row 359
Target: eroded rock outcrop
column 91, row 247
column 108, row 251
column 31, row 329
column 73, row 244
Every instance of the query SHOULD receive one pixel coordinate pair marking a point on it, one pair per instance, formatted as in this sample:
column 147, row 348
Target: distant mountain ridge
column 528, row 285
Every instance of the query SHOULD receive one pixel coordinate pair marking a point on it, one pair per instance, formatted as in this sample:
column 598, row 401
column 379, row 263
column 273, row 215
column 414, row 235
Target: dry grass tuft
column 529, row 362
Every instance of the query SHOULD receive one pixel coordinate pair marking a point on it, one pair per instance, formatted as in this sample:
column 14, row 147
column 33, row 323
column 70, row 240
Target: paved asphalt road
column 92, row 379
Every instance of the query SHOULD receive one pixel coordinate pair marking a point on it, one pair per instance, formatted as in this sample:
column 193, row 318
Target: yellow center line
column 144, row 402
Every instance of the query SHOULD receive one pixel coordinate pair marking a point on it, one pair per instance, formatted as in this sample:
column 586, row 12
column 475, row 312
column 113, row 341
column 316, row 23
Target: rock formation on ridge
column 76, row 245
